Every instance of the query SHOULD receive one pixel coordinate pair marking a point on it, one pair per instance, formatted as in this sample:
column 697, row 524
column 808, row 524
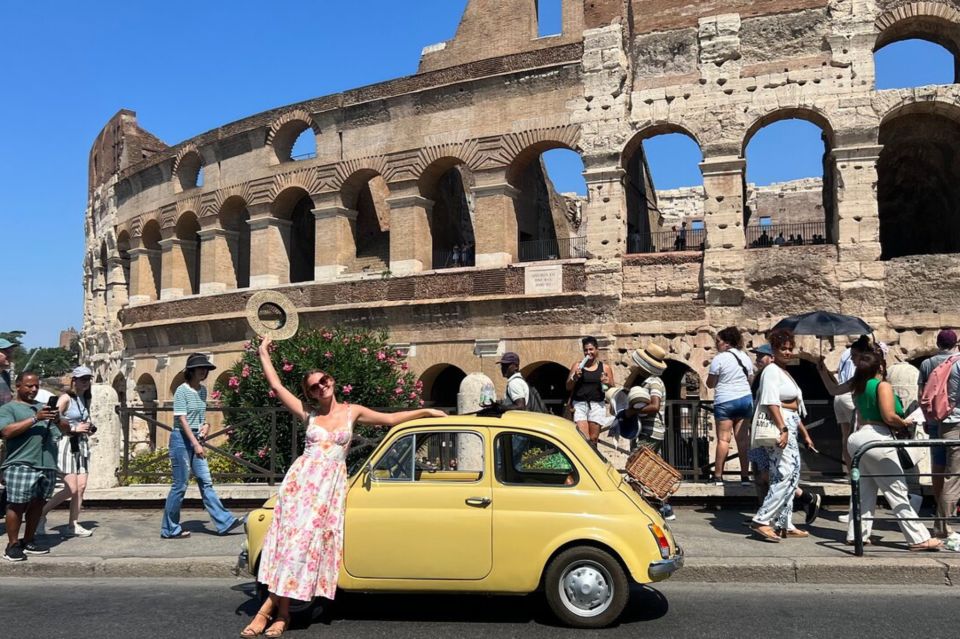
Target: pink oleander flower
column 398, row 391
column 398, row 353
column 412, row 395
column 246, row 371
column 215, row 395
column 391, row 361
column 381, row 356
column 358, row 338
column 364, row 350
column 327, row 335
column 271, row 394
column 287, row 366
column 421, row 403
column 347, row 389
column 262, row 452
column 328, row 355
column 272, row 348
column 346, row 340
column 233, row 382
column 404, row 366
column 248, row 346
column 418, row 385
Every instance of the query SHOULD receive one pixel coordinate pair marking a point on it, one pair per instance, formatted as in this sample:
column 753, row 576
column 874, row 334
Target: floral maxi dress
column 303, row 547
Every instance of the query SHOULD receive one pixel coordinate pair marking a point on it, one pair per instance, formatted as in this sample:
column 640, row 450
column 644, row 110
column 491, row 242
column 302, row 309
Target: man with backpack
column 520, row 395
column 939, row 393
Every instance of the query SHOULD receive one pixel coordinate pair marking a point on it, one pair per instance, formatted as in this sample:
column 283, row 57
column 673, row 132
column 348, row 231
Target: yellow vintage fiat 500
column 504, row 504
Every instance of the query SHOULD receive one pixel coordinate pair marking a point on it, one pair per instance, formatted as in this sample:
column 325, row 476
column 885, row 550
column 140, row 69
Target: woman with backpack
column 730, row 375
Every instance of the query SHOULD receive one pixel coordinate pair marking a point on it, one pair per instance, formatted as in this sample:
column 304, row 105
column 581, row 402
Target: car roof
column 542, row 422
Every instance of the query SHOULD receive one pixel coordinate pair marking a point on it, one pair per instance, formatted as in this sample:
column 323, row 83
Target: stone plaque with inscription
column 539, row 280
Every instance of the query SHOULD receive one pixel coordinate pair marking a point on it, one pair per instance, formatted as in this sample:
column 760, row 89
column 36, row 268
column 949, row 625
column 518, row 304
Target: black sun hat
column 198, row 360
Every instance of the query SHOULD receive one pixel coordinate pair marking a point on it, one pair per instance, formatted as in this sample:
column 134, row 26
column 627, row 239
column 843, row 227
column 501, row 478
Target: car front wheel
column 586, row 587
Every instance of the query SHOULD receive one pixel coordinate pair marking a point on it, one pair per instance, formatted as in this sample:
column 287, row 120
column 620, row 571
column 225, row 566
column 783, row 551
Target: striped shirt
column 192, row 403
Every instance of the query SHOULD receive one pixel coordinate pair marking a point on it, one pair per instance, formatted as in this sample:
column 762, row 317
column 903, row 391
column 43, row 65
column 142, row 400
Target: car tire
column 586, row 587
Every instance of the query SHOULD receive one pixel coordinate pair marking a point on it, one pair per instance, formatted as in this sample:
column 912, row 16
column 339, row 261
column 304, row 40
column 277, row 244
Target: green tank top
column 869, row 407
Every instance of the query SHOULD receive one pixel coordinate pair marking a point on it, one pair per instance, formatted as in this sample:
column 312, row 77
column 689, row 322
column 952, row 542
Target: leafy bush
column 158, row 461
column 367, row 372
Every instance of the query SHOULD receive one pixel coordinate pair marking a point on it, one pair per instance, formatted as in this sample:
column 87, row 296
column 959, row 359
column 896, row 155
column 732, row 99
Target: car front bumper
column 660, row 570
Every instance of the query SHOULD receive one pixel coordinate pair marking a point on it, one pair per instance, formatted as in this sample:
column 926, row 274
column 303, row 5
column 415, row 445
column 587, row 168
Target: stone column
column 177, row 258
column 411, row 240
column 723, row 258
column 269, row 255
column 495, row 226
column 336, row 227
column 217, row 269
column 105, row 445
column 117, row 285
column 143, row 287
column 604, row 215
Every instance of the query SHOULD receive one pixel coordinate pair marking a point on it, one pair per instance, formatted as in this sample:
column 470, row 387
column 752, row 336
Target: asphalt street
column 213, row 608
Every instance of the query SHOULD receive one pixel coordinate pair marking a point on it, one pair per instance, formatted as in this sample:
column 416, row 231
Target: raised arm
column 374, row 418
column 288, row 399
column 830, row 382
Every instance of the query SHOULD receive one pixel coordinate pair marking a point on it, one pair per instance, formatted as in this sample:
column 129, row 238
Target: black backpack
column 535, row 402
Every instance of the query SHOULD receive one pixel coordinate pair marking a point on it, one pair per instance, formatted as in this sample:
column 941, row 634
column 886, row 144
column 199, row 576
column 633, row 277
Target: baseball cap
column 509, row 358
column 947, row 338
column 763, row 349
column 5, row 343
column 81, row 371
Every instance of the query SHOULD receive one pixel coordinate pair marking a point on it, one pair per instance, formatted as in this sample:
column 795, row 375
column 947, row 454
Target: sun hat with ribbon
column 651, row 359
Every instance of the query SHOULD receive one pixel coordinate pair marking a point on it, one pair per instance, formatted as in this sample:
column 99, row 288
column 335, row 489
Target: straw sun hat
column 651, row 359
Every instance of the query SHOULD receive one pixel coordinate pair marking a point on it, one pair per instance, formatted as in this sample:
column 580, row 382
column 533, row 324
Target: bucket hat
column 651, row 359
column 81, row 371
column 199, row 360
column 763, row 349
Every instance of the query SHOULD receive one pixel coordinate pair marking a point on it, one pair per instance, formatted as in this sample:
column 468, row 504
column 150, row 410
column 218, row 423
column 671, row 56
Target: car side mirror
column 367, row 475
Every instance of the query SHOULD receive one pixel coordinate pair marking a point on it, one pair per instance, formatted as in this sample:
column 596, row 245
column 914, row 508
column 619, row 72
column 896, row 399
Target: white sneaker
column 80, row 531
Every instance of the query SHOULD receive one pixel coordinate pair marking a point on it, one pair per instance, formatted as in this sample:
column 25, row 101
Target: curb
column 771, row 570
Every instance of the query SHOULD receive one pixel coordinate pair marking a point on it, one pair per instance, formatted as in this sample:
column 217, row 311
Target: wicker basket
column 652, row 474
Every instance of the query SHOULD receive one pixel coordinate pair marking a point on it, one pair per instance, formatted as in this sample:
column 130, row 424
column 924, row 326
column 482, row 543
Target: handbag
column 764, row 432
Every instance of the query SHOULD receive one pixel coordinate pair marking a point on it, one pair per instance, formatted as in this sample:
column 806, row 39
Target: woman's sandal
column 930, row 545
column 766, row 533
column 271, row 632
column 250, row 631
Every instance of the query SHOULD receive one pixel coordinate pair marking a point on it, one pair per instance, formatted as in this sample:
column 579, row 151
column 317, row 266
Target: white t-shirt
column 846, row 368
column 517, row 388
column 777, row 386
column 732, row 382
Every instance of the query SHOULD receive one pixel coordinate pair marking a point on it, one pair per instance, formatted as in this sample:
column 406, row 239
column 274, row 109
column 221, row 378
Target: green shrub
column 367, row 372
column 158, row 461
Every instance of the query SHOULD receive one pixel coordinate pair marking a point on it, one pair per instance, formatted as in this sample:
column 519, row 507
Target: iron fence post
column 855, row 513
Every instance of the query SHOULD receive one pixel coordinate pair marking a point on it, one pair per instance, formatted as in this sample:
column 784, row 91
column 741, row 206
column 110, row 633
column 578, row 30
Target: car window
column 528, row 459
column 432, row 456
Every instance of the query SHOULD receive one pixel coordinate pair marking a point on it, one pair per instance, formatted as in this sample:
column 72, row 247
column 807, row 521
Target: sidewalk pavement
column 718, row 546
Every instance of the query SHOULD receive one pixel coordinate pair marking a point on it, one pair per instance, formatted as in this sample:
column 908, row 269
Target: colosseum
column 362, row 231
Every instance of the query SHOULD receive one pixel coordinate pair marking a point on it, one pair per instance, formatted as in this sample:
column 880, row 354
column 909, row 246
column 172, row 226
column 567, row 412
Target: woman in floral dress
column 302, row 550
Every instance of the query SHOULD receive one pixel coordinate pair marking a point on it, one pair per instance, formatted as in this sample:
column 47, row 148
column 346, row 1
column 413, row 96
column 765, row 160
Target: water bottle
column 487, row 394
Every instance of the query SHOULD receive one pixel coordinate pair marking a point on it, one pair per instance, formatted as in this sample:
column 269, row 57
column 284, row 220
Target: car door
column 422, row 510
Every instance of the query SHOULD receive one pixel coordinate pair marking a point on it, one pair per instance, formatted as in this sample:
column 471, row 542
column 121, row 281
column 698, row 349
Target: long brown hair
column 869, row 364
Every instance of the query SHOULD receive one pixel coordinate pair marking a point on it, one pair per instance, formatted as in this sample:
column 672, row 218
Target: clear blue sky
column 187, row 67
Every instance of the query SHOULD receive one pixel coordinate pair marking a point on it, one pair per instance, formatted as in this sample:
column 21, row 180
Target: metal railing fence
column 552, row 249
column 794, row 234
column 666, row 241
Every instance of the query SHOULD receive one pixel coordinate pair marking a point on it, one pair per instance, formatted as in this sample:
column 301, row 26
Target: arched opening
column 441, row 385
column 788, row 197
column 366, row 192
column 235, row 218
column 549, row 177
column 150, row 240
column 104, row 266
column 143, row 434
column 123, row 250
column 188, row 232
column 918, row 185
column 190, row 171
column 550, row 379
column 175, row 384
column 119, row 385
column 305, row 146
column 913, row 63
column 448, row 183
column 664, row 191
column 295, row 140
column 295, row 205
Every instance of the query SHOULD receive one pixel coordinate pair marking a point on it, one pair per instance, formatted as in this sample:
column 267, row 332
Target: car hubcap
column 586, row 588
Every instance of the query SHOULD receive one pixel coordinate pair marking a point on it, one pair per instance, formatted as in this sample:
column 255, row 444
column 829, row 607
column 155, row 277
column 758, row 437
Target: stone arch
column 175, row 384
column 646, row 222
column 936, row 22
column 284, row 132
column 234, row 217
column 187, row 169
column 549, row 378
column 441, row 384
column 918, row 180
column 448, row 183
column 150, row 240
column 366, row 192
column 546, row 220
column 123, row 253
column 187, row 232
column 142, row 432
column 296, row 205
column 763, row 220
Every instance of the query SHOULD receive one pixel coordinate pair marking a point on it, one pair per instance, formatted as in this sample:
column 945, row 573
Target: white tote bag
column 764, row 431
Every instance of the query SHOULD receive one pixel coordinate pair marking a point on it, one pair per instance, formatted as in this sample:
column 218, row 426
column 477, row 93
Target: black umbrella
column 824, row 324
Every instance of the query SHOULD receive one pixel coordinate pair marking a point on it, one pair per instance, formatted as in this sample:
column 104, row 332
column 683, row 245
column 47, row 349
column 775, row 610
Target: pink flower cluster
column 233, row 382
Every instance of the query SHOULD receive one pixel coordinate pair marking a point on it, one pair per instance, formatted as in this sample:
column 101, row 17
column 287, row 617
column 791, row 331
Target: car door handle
column 479, row 502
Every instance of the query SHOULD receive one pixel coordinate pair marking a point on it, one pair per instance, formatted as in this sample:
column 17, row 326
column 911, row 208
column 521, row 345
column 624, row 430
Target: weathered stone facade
column 352, row 234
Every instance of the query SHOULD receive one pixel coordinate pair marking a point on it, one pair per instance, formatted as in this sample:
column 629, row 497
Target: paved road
column 213, row 608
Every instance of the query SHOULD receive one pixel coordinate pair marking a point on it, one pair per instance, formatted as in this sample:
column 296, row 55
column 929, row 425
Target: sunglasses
column 326, row 380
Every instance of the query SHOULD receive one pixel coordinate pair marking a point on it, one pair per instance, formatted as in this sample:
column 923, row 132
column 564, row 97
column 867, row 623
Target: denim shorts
column 938, row 454
column 741, row 408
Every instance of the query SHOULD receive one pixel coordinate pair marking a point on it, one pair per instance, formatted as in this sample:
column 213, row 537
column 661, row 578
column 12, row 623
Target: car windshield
column 596, row 450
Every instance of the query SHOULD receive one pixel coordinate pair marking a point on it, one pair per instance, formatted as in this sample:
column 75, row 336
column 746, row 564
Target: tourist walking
column 839, row 387
column 880, row 413
column 730, row 375
column 301, row 557
column 585, row 383
column 187, row 454
column 782, row 400
column 947, row 348
column 73, row 450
